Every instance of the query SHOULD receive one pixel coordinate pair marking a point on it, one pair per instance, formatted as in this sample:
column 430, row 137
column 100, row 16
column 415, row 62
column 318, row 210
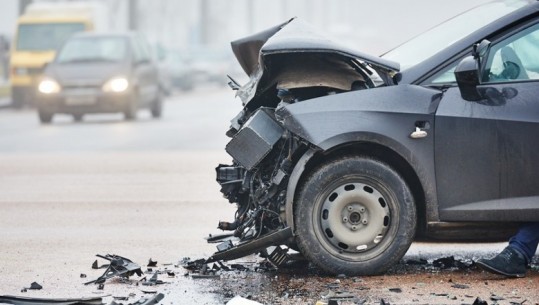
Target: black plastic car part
column 119, row 266
column 16, row 300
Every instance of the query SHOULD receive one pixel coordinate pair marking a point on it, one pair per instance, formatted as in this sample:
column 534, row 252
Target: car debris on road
column 339, row 298
column 33, row 286
column 119, row 266
column 16, row 300
column 153, row 280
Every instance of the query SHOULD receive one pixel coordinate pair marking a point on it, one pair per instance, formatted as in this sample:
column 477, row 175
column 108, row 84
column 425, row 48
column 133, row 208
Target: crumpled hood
column 295, row 36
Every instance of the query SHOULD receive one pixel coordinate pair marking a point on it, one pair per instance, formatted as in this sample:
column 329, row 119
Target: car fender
column 384, row 116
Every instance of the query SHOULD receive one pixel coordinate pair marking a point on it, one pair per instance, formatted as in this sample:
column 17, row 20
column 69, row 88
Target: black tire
column 156, row 108
column 17, row 98
column 77, row 117
column 354, row 215
column 131, row 109
column 45, row 117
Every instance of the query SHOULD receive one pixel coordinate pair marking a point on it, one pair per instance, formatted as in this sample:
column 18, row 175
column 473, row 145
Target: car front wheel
column 45, row 117
column 77, row 117
column 131, row 108
column 356, row 216
column 156, row 107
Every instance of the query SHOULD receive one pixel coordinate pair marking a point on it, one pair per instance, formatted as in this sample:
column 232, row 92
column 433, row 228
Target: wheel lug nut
column 345, row 219
column 362, row 210
column 354, row 228
column 364, row 221
column 349, row 208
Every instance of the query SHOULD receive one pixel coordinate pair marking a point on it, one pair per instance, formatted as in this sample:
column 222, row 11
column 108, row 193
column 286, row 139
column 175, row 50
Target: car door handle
column 418, row 133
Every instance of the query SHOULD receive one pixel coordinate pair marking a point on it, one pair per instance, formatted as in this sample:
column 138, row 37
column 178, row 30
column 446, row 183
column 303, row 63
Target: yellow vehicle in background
column 41, row 30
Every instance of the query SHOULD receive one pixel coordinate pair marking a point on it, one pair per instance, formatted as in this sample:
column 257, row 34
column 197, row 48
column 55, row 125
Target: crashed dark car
column 348, row 157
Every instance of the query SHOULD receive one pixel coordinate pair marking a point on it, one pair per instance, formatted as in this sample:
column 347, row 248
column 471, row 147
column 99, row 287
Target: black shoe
column 509, row 262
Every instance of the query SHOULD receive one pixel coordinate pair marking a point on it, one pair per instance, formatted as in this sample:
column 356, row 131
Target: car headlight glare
column 117, row 84
column 49, row 86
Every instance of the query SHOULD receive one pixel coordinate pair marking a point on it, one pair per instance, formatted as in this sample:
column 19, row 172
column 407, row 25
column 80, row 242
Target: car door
column 487, row 152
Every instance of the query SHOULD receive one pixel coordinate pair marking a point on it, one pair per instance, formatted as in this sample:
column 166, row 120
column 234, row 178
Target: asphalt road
column 146, row 189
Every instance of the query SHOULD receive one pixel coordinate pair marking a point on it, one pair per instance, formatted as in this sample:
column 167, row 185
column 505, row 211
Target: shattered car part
column 347, row 158
column 279, row 256
column 450, row 262
column 336, row 298
column 254, row 246
column 479, row 301
column 255, row 140
column 219, row 238
column 206, row 273
column 15, row 300
column 153, row 280
column 119, row 266
column 226, row 245
column 146, row 301
column 33, row 286
column 95, row 265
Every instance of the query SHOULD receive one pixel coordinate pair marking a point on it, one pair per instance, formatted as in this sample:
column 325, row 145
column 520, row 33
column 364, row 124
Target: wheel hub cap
column 354, row 217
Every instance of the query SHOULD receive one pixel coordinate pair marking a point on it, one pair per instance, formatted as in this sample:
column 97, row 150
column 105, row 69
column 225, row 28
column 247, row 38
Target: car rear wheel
column 356, row 216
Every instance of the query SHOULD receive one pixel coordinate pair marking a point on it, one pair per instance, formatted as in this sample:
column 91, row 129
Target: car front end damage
column 287, row 64
column 264, row 154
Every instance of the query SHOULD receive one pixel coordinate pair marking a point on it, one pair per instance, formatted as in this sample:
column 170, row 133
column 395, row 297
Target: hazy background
column 373, row 26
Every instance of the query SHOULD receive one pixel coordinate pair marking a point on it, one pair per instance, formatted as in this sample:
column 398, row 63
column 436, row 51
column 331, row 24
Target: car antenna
column 233, row 83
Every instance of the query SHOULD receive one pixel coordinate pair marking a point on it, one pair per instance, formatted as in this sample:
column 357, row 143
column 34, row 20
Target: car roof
column 417, row 73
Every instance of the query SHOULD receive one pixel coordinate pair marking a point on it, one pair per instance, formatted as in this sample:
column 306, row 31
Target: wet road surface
column 146, row 189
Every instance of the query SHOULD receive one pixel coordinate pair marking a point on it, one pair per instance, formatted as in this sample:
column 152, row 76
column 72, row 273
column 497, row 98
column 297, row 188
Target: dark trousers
column 526, row 239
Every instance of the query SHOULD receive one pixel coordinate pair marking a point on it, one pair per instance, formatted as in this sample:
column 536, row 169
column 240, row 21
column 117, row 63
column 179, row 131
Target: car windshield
column 45, row 37
column 438, row 38
column 85, row 49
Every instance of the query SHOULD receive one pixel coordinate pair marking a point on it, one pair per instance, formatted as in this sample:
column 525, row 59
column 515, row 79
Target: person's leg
column 526, row 240
column 512, row 261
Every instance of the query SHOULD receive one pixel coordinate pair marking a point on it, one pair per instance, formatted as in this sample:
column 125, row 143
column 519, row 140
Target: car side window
column 514, row 58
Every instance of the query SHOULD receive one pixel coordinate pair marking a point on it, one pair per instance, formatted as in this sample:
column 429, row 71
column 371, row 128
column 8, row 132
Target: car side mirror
column 468, row 71
column 480, row 50
column 467, row 75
